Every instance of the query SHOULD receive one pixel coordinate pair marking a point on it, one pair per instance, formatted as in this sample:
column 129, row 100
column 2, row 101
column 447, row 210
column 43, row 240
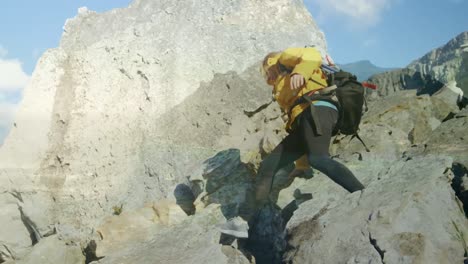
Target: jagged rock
column 450, row 137
column 51, row 250
column 15, row 238
column 234, row 255
column 448, row 63
column 136, row 226
column 37, row 214
column 196, row 240
column 224, row 180
column 400, row 218
column 266, row 237
column 385, row 129
column 126, row 113
column 445, row 102
column 394, row 81
column 98, row 137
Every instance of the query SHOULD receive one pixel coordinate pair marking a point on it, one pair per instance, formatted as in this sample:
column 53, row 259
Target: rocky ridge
column 83, row 143
column 446, row 65
column 193, row 162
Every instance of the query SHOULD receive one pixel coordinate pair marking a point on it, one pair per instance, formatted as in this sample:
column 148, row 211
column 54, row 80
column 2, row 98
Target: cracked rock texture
column 90, row 133
column 409, row 212
column 132, row 145
column 448, row 63
column 407, row 215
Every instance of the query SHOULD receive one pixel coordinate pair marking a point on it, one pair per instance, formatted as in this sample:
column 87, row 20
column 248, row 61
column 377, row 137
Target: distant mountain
column 363, row 69
column 448, row 63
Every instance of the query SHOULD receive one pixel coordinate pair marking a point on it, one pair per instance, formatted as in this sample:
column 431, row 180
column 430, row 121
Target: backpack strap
column 324, row 94
column 365, row 105
column 360, row 139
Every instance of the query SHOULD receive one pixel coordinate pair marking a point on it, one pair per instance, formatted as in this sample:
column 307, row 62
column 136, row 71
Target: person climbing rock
column 293, row 73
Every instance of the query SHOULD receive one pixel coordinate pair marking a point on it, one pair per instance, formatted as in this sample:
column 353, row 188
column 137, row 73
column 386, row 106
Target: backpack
column 347, row 94
column 350, row 95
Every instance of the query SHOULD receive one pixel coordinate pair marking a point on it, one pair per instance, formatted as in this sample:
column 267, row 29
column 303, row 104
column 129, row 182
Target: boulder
column 409, row 215
column 52, row 250
column 136, row 226
column 448, row 63
column 130, row 72
column 195, row 240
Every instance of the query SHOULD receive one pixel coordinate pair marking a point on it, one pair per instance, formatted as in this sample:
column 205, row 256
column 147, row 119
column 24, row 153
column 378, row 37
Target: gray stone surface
column 448, row 63
column 195, row 240
column 391, row 82
column 450, row 137
column 128, row 117
column 130, row 227
column 15, row 238
column 404, row 179
column 51, row 250
column 90, row 131
column 225, row 180
column 409, row 215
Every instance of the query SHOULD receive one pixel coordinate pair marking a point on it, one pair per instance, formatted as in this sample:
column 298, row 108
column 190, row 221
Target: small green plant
column 117, row 209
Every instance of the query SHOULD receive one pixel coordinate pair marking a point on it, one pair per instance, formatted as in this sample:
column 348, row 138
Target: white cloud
column 7, row 112
column 12, row 76
column 3, row 52
column 361, row 13
column 12, row 81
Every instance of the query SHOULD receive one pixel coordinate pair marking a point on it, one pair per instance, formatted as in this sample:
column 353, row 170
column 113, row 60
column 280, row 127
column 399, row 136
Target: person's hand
column 297, row 81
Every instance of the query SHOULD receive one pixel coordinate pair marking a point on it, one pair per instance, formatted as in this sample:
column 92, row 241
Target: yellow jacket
column 304, row 61
column 307, row 62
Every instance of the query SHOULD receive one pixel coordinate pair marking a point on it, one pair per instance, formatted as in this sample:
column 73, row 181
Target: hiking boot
column 304, row 174
column 236, row 227
column 301, row 197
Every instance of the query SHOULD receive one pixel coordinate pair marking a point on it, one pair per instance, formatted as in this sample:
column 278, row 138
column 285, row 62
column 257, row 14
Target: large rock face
column 409, row 211
column 448, row 63
column 391, row 82
column 143, row 131
column 91, row 134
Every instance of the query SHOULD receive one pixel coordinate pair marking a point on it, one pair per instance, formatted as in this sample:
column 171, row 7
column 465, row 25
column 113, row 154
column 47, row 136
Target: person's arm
column 302, row 62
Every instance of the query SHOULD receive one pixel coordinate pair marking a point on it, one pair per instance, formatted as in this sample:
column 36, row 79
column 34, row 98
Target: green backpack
column 349, row 99
column 350, row 94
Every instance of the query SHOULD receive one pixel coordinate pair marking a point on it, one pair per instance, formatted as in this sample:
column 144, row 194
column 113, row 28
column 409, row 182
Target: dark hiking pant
column 302, row 140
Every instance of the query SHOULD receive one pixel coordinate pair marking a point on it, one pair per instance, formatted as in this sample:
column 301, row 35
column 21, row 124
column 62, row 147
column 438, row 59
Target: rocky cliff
column 133, row 144
column 88, row 135
column 446, row 65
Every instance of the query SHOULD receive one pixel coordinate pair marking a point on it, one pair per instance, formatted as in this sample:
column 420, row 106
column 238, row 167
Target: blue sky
column 389, row 33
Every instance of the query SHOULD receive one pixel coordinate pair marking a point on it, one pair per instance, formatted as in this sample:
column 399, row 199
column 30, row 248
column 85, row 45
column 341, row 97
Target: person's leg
column 290, row 148
column 317, row 148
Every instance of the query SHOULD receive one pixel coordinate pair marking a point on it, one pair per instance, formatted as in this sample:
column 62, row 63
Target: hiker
column 293, row 73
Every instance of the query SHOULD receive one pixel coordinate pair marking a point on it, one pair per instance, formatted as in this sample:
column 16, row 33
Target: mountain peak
column 363, row 69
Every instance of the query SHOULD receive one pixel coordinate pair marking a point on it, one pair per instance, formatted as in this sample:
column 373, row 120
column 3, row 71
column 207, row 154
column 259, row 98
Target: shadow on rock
column 185, row 198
